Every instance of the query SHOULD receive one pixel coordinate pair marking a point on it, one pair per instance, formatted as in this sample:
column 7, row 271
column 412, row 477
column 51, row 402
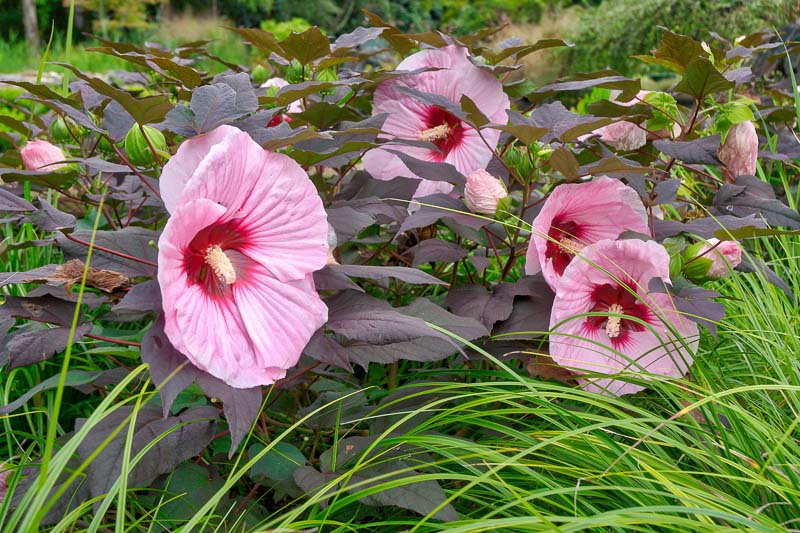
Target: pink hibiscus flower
column 579, row 214
column 637, row 331
column 236, row 256
column 458, row 144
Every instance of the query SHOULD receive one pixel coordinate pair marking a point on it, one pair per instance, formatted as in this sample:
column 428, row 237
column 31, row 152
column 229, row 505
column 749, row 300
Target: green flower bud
column 675, row 265
column 260, row 74
column 696, row 268
column 60, row 130
column 294, row 72
column 103, row 145
column 137, row 148
column 517, row 159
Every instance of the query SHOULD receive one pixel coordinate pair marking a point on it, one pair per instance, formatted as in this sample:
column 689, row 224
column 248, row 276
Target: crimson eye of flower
column 442, row 129
column 563, row 243
column 212, row 259
column 616, row 299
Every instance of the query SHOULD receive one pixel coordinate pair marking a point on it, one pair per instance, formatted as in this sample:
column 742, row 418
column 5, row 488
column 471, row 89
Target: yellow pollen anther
column 614, row 323
column 570, row 245
column 437, row 133
column 221, row 264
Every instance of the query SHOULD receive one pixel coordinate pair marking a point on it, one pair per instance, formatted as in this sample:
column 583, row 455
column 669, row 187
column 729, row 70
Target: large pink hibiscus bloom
column 636, row 330
column 579, row 214
column 458, row 144
column 236, row 256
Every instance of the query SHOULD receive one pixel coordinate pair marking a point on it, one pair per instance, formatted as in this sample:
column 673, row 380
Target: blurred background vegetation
column 606, row 32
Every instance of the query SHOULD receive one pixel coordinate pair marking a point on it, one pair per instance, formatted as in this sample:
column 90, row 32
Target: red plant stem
column 115, row 341
column 135, row 171
column 109, row 251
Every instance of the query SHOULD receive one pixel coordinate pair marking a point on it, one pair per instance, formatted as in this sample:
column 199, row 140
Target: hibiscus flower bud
column 138, row 149
column 712, row 259
column 625, row 136
column 259, row 74
column 41, row 155
column 484, row 192
column 739, row 152
column 62, row 130
column 518, row 159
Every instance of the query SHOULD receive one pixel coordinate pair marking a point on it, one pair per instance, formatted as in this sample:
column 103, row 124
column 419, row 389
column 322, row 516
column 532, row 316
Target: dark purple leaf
column 739, row 75
column 357, row 37
column 173, row 372
column 606, row 79
column 146, row 110
column 130, row 241
column 74, row 378
column 379, row 273
column 39, row 308
column 751, row 196
column 666, row 192
column 348, row 222
column 11, row 203
column 530, row 315
column 751, row 264
column 141, row 300
column 436, row 251
column 489, row 308
column 432, row 171
column 49, row 218
column 702, row 78
column 195, row 429
column 52, row 179
column 439, row 206
column 214, row 105
column 694, row 303
column 702, row 151
column 326, row 350
column 246, row 100
column 564, row 125
column 9, row 278
column 306, row 46
column 705, row 227
column 117, row 121
column 33, row 343
column 101, row 165
column 330, row 280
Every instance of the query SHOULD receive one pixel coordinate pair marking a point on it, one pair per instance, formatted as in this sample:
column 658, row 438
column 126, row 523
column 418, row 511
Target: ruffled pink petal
column 279, row 317
column 604, row 208
column 657, row 350
column 271, row 200
column 182, row 165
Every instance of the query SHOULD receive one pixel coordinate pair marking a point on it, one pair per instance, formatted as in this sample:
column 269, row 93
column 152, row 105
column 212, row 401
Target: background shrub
column 610, row 33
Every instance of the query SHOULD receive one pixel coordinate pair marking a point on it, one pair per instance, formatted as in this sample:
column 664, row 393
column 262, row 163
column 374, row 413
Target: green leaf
column 665, row 110
column 278, row 464
column 731, row 113
column 701, row 79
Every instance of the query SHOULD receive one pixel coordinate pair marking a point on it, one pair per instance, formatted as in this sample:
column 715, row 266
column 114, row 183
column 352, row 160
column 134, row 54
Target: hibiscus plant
column 409, row 206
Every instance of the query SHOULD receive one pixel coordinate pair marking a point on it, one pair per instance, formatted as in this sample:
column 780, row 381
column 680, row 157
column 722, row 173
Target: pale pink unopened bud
column 724, row 256
column 739, row 152
column 41, row 155
column 483, row 192
column 623, row 135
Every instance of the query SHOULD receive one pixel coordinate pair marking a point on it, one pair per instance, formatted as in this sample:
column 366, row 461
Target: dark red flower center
column 213, row 260
column 443, row 129
column 617, row 300
column 563, row 243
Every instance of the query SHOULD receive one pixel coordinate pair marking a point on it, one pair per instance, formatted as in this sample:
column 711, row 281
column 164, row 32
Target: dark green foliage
column 609, row 34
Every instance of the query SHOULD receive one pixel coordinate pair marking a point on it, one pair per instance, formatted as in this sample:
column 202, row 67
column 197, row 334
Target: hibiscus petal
column 181, row 166
column 272, row 202
column 279, row 317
